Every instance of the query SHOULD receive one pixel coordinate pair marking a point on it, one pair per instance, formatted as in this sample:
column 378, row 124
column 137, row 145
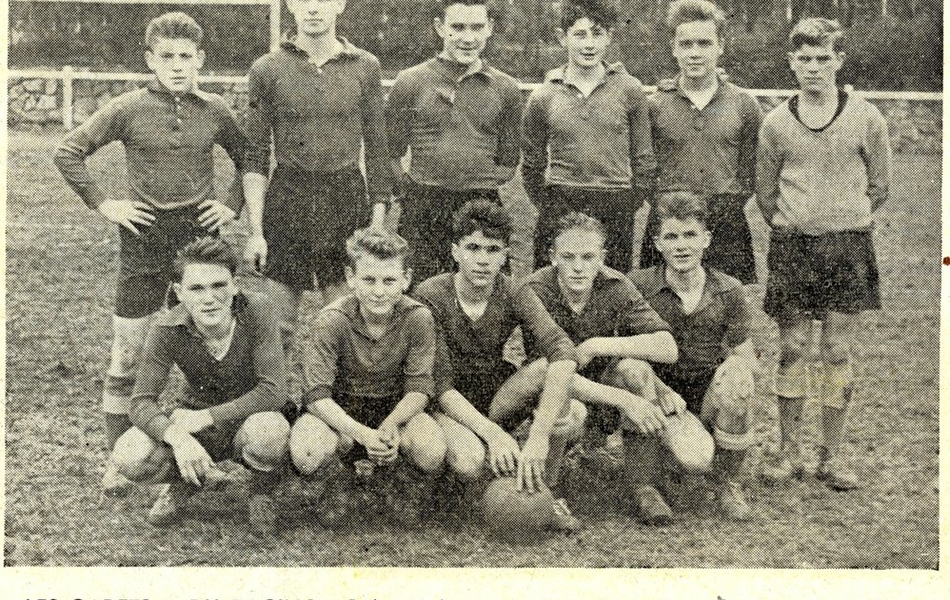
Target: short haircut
column 481, row 215
column 578, row 220
column 173, row 25
column 687, row 11
column 681, row 205
column 816, row 31
column 600, row 12
column 207, row 250
column 375, row 242
column 443, row 5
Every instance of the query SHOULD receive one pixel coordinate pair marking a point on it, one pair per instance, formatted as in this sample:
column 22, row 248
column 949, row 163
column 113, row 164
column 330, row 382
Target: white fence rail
column 68, row 75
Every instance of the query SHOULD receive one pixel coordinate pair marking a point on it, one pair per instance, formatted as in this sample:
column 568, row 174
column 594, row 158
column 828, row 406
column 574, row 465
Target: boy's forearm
column 255, row 188
column 411, row 405
column 652, row 347
column 456, row 406
column 331, row 413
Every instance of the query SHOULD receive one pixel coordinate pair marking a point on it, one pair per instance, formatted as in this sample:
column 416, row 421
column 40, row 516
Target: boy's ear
column 348, row 273
column 176, row 287
column 561, row 36
column 201, row 58
column 408, row 275
column 437, row 25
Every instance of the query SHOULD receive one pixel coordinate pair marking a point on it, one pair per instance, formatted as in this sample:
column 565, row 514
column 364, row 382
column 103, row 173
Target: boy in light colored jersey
column 367, row 371
column 460, row 119
column 586, row 137
column 616, row 332
column 705, row 132
column 169, row 130
column 227, row 345
column 476, row 310
column 706, row 311
column 824, row 169
column 317, row 101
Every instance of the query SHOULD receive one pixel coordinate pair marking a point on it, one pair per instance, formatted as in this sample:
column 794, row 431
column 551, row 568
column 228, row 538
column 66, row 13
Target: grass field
column 61, row 263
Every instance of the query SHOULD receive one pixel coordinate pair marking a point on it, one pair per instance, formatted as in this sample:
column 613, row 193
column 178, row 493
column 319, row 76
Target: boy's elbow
column 668, row 350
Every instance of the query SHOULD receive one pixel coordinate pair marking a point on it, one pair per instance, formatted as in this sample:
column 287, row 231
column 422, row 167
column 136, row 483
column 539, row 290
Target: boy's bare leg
column 836, row 387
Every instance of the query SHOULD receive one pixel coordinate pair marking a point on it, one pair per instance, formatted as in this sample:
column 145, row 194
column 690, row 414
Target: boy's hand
column 646, row 416
column 192, row 459
column 255, row 252
column 534, row 455
column 503, row 453
column 672, row 404
column 127, row 213
column 377, row 443
column 214, row 215
column 192, row 421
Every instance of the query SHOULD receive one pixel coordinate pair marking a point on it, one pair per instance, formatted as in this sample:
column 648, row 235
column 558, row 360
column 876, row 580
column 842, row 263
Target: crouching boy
column 169, row 129
column 706, row 311
column 477, row 309
column 618, row 335
column 368, row 380
column 227, row 345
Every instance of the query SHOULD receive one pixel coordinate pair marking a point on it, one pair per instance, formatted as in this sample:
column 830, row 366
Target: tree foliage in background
column 898, row 51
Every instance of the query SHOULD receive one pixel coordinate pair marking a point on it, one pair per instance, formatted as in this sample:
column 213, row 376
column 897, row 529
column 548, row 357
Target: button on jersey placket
column 176, row 129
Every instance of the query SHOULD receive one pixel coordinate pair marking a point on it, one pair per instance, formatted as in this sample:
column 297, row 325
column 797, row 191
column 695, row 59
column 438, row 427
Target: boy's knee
column 794, row 347
column 140, row 458
column 465, row 452
column 835, row 351
column 636, row 376
column 312, row 444
column 263, row 440
column 127, row 340
column 424, row 442
column 570, row 426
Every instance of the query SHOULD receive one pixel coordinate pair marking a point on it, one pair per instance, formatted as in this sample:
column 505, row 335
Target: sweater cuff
column 317, row 393
column 421, row 384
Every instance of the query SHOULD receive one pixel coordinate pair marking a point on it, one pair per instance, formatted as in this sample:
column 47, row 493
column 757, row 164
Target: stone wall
column 915, row 125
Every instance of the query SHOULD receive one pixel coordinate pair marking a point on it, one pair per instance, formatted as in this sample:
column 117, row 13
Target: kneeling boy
column 706, row 309
column 227, row 345
column 616, row 333
column 368, row 379
column 477, row 308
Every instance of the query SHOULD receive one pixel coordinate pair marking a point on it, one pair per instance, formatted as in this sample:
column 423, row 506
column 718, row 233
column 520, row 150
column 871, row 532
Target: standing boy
column 705, row 134
column 460, row 118
column 169, row 129
column 824, row 169
column 706, row 310
column 616, row 332
column 320, row 100
column 227, row 345
column 476, row 310
column 586, row 139
column 368, row 378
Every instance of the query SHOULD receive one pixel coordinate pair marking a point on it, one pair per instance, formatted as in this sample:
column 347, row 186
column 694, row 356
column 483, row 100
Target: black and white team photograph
column 473, row 283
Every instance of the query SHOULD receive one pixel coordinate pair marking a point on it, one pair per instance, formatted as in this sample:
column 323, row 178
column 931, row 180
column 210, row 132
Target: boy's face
column 480, row 258
column 682, row 243
column 585, row 42
column 207, row 292
column 816, row 67
column 578, row 256
column 315, row 17
column 378, row 283
column 175, row 62
column 697, row 48
column 464, row 30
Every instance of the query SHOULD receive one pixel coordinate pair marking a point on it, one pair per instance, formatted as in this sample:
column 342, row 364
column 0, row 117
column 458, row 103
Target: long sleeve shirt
column 320, row 119
column 601, row 141
column 467, row 348
column 249, row 378
column 463, row 130
column 829, row 180
column 341, row 357
column 169, row 140
column 709, row 151
column 705, row 336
